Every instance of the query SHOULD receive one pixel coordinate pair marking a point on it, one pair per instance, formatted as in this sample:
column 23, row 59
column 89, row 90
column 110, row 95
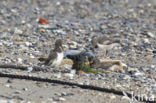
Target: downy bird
column 104, row 44
column 56, row 55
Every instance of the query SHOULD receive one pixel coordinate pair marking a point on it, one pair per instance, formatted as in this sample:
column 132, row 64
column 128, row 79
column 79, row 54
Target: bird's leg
column 104, row 53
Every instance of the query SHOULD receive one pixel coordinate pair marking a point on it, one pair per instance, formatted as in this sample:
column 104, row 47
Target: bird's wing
column 103, row 40
column 50, row 58
column 107, row 41
column 113, row 41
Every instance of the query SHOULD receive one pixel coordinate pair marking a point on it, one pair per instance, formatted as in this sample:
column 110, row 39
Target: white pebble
column 29, row 69
column 28, row 43
column 146, row 40
column 19, row 60
column 152, row 66
column 18, row 31
column 7, row 85
column 58, row 75
column 69, row 75
column 32, row 56
column 67, row 66
column 62, row 99
column 112, row 97
column 151, row 34
column 3, row 101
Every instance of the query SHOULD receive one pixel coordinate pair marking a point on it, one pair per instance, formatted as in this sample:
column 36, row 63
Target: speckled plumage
column 56, row 56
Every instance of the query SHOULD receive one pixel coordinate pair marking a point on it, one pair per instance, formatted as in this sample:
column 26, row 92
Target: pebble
column 136, row 73
column 151, row 34
column 63, row 94
column 7, row 85
column 152, row 66
column 74, row 86
column 28, row 43
column 69, row 75
column 144, row 69
column 9, row 81
column 60, row 31
column 121, row 71
column 3, row 101
column 57, row 75
column 20, row 61
column 112, row 97
column 25, row 89
column 62, row 99
column 32, row 56
column 67, row 66
column 30, row 69
column 73, row 44
column 126, row 77
column 18, row 31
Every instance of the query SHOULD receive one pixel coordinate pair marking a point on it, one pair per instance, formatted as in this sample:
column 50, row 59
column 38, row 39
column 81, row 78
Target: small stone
column 60, row 31
column 135, row 72
column 12, row 101
column 28, row 43
column 150, row 34
column 63, row 94
column 62, row 99
column 9, row 81
column 58, row 3
column 57, row 75
column 18, row 31
column 74, row 86
column 30, row 69
column 69, row 75
column 73, row 44
column 144, row 69
column 29, row 102
column 25, row 89
column 42, row 30
column 32, row 56
column 152, row 66
column 73, row 71
column 146, row 40
column 3, row 101
column 19, row 60
column 112, row 97
column 53, row 102
column 66, row 86
column 121, row 71
column 86, row 83
column 149, row 52
column 138, row 74
column 7, row 85
column 17, row 92
column 23, row 22
column 126, row 77
column 67, row 66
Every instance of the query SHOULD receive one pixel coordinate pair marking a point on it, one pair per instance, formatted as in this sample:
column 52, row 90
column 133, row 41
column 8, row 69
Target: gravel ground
column 23, row 40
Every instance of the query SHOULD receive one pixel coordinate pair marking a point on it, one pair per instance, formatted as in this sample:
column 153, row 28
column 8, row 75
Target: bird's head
column 58, row 43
